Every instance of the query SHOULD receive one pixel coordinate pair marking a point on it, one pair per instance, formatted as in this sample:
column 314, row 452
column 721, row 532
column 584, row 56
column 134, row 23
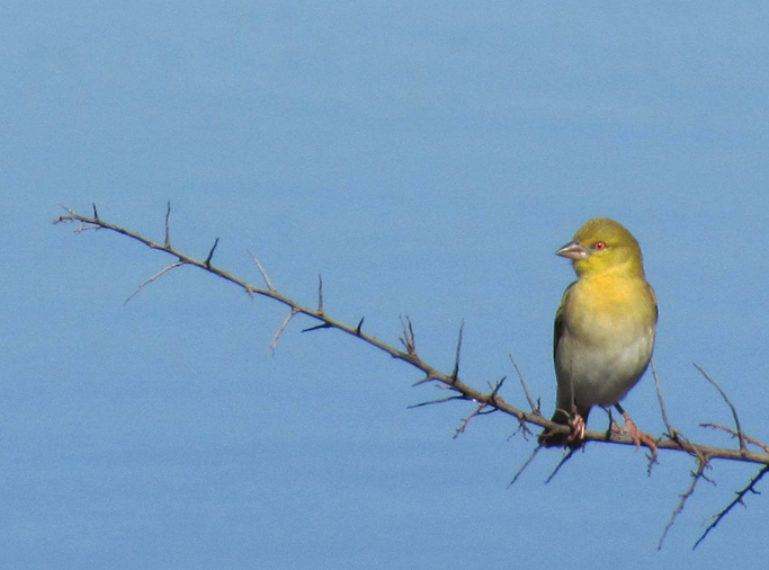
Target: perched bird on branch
column 604, row 329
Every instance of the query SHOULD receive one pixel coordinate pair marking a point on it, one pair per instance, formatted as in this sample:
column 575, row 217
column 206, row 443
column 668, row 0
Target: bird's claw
column 578, row 427
column 637, row 435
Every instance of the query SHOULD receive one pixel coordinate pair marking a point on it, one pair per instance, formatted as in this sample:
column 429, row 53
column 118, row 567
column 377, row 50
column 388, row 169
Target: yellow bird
column 604, row 329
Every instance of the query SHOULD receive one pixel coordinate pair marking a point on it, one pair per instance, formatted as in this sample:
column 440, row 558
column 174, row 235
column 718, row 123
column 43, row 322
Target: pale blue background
column 426, row 158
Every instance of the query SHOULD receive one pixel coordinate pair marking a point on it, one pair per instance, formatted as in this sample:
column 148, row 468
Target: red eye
column 599, row 245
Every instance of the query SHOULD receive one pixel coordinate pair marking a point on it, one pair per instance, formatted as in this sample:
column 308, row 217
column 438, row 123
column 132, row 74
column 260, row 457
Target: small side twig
column 534, row 406
column 743, row 447
column 263, row 272
column 463, row 426
column 674, row 434
column 151, row 279
column 735, row 434
column 696, row 476
column 750, row 488
column 283, row 325
column 671, row 430
column 479, row 410
column 408, row 340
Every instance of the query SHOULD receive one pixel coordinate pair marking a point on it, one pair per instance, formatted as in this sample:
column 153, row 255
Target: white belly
column 600, row 374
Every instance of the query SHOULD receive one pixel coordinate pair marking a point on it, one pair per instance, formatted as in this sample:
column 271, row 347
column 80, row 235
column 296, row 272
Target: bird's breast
column 609, row 309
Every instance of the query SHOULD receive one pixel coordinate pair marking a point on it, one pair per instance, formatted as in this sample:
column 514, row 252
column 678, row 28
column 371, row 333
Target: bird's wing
column 654, row 299
column 559, row 324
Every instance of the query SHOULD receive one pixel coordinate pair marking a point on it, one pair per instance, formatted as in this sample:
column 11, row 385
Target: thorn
column 360, row 323
column 316, row 327
column 496, row 389
column 431, row 402
column 524, row 466
column 408, row 339
column 283, row 325
column 168, row 231
column 151, row 279
column 320, row 294
column 211, row 254
column 561, row 463
column 455, row 372
column 427, row 378
column 95, row 213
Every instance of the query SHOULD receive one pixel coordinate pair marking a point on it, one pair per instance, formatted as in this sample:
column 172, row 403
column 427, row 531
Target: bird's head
column 603, row 244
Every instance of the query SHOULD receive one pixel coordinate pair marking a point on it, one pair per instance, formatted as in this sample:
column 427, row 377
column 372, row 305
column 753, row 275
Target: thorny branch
column 750, row 488
column 486, row 402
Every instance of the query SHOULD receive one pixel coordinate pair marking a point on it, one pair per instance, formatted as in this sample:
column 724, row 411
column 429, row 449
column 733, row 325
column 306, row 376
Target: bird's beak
column 573, row 250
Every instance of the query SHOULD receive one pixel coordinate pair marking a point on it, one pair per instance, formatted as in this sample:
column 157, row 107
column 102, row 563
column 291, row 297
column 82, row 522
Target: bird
column 604, row 330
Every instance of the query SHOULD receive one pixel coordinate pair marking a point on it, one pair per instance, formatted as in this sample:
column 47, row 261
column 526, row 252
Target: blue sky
column 427, row 159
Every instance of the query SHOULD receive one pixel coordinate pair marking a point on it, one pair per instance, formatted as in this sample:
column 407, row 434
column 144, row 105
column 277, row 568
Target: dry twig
column 731, row 406
column 534, row 406
column 750, row 488
column 696, row 476
column 487, row 402
column 410, row 356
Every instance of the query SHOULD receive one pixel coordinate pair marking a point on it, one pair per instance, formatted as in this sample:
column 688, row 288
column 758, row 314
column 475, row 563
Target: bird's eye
column 599, row 245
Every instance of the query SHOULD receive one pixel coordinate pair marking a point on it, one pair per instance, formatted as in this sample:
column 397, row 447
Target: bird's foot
column 576, row 436
column 578, row 427
column 637, row 435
